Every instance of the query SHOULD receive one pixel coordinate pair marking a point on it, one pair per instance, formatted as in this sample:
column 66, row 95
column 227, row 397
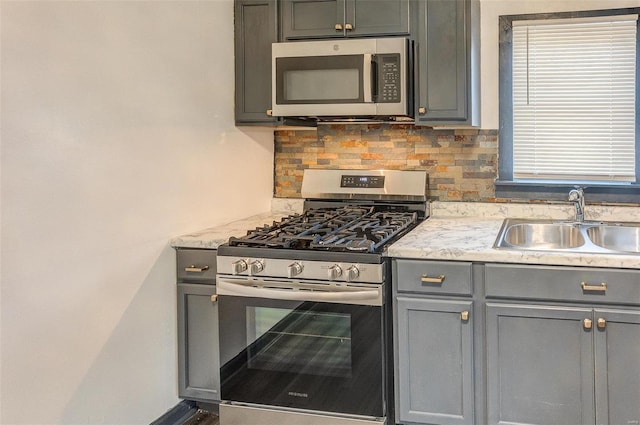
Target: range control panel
column 362, row 181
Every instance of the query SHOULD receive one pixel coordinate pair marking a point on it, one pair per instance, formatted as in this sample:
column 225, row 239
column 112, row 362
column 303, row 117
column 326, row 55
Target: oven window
column 297, row 341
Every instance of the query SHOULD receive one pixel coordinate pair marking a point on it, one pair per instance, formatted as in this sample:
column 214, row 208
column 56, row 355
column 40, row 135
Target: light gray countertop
column 458, row 231
column 213, row 237
column 467, row 232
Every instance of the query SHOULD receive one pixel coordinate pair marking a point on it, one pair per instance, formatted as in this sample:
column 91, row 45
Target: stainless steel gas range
column 304, row 303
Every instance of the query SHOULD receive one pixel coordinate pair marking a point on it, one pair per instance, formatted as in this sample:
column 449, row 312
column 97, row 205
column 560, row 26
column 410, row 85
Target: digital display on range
column 376, row 182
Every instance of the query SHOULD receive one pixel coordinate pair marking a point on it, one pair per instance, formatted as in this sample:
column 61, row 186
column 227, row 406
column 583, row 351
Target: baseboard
column 178, row 414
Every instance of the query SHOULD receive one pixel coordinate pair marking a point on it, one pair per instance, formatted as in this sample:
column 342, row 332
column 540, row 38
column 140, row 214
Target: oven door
column 288, row 344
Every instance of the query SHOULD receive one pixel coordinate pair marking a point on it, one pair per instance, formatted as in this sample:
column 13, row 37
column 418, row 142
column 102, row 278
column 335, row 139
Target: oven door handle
column 360, row 296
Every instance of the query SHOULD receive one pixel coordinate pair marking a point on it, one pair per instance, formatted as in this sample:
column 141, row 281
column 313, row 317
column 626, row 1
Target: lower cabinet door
column 198, row 354
column 434, row 367
column 539, row 364
column 617, row 356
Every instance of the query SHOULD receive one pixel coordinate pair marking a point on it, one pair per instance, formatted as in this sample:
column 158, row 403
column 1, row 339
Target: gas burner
column 349, row 228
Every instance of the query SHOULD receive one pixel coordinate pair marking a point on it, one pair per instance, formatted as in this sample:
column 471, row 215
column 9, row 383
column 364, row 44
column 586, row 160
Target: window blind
column 574, row 99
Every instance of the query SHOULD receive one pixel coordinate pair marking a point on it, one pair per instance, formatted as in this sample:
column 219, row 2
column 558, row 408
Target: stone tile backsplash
column 462, row 164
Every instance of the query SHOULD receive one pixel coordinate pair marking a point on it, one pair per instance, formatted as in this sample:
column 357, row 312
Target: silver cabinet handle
column 436, row 279
column 194, row 269
column 597, row 288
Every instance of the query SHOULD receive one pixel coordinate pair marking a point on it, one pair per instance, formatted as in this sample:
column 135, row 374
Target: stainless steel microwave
column 367, row 77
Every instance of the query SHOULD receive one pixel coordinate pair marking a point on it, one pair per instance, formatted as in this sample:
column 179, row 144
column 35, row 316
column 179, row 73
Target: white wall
column 489, row 12
column 117, row 134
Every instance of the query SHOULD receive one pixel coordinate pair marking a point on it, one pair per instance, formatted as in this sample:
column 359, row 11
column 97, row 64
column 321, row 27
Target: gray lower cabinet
column 303, row 19
column 562, row 345
column 198, row 349
column 435, row 351
column 256, row 27
column 539, row 365
column 447, row 62
column 198, row 354
column 617, row 366
column 434, row 342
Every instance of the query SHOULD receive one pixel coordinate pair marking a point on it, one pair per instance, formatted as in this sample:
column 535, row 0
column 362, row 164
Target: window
column 569, row 104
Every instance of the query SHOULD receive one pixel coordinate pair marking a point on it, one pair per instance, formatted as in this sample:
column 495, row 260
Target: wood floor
column 202, row 417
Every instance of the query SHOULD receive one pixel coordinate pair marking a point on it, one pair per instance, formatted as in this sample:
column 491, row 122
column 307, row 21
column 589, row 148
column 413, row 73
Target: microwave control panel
column 389, row 80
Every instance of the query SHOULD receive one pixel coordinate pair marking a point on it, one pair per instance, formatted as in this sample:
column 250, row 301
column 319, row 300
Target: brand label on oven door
column 299, row 395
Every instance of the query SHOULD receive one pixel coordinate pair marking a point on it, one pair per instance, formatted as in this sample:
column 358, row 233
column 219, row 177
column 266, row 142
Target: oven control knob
column 294, row 269
column 352, row 273
column 256, row 267
column 334, row 272
column 239, row 266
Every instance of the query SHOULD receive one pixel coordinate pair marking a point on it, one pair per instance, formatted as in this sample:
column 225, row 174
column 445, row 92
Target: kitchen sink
column 569, row 236
column 543, row 236
column 616, row 238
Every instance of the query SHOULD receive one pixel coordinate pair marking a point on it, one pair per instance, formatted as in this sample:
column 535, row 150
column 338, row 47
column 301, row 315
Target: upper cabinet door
column 376, row 17
column 312, row 18
column 255, row 29
column 447, row 68
column 343, row 18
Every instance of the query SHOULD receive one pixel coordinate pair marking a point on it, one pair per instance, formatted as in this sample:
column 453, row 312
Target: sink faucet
column 577, row 197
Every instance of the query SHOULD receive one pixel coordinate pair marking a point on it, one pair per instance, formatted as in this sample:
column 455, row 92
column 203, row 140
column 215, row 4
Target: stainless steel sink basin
column 543, row 236
column 616, row 238
column 583, row 237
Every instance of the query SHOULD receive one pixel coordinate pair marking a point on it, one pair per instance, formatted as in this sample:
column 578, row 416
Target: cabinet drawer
column 433, row 277
column 563, row 283
column 196, row 265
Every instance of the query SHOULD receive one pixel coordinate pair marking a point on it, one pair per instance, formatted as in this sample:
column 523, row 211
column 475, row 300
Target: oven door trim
column 299, row 290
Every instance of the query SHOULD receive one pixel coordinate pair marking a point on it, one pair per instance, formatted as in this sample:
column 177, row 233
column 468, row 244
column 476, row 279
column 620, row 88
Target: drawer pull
column 599, row 288
column 214, row 298
column 587, row 323
column 602, row 323
column 464, row 315
column 437, row 279
column 195, row 269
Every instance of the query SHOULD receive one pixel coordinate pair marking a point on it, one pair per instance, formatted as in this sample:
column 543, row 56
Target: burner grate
column 331, row 229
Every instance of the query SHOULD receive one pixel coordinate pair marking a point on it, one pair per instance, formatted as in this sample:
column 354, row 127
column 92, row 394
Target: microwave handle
column 367, row 81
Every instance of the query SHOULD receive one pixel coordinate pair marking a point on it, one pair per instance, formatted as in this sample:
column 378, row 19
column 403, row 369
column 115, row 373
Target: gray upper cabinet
column 302, row 19
column 447, row 63
column 255, row 29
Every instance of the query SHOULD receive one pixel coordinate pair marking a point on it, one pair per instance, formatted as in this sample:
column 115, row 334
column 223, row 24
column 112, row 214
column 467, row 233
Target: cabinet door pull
column 348, row 27
column 598, row 288
column 437, row 279
column 269, row 112
column 214, row 298
column 464, row 316
column 195, row 269
column 602, row 323
column 338, row 27
column 422, row 110
column 588, row 323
